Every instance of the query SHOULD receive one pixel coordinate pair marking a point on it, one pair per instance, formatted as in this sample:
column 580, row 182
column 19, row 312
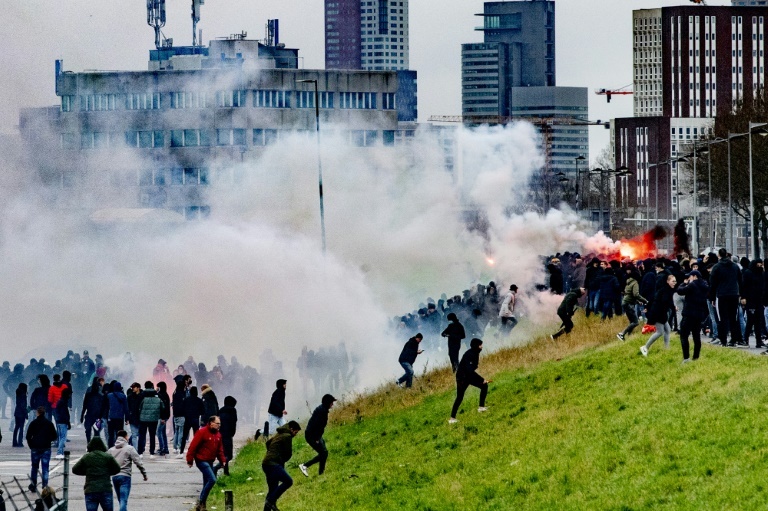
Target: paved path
column 172, row 486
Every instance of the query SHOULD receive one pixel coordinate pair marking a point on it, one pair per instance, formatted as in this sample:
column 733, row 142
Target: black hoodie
column 277, row 403
column 753, row 285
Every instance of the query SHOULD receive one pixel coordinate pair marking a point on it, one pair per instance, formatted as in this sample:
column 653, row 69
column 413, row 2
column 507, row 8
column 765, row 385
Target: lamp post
column 319, row 161
column 753, row 245
column 730, row 245
column 579, row 198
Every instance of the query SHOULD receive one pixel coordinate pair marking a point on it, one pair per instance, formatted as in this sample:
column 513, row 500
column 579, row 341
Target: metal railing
column 16, row 496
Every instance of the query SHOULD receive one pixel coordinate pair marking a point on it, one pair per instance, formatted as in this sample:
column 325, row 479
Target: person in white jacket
column 507, row 311
column 126, row 456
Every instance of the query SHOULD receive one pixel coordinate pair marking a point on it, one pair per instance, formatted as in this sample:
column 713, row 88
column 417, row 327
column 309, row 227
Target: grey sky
column 594, row 44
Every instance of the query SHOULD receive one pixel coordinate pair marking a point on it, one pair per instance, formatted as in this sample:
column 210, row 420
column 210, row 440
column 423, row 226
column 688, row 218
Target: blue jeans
column 162, row 438
column 276, row 474
column 134, row 436
column 39, row 457
column 593, row 302
column 122, row 486
column 178, row 431
column 103, row 498
column 61, row 430
column 713, row 319
column 209, row 478
column 408, row 376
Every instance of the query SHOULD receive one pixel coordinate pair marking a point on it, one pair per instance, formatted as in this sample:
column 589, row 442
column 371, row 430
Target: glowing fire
column 490, row 261
column 640, row 247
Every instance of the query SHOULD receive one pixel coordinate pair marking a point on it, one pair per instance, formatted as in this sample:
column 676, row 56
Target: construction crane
column 614, row 92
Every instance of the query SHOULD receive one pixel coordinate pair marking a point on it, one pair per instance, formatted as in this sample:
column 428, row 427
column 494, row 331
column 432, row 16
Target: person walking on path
column 126, row 456
column 658, row 314
column 97, row 466
column 629, row 302
column 566, row 310
column 193, row 410
column 92, row 409
column 177, row 405
column 408, row 358
column 467, row 375
column 724, row 290
column 455, row 333
column 314, row 434
column 63, row 424
column 118, row 412
column 206, row 447
column 279, row 451
column 228, row 417
column 276, row 412
column 210, row 401
column 20, row 415
column 507, row 310
column 40, row 435
column 165, row 415
column 695, row 291
column 150, row 409
column 134, row 401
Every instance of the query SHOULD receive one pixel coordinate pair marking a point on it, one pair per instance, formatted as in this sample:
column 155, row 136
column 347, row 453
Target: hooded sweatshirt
column 279, row 448
column 126, row 456
column 277, row 403
column 97, row 466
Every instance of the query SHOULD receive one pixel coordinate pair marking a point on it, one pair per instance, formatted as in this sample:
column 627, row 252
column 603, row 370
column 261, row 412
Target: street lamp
column 579, row 198
column 319, row 161
column 752, row 125
column 731, row 136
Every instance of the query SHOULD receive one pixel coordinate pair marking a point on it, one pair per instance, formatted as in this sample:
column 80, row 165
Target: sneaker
column 304, row 470
column 686, row 360
column 31, row 488
column 644, row 351
column 179, row 456
column 59, row 456
column 482, row 409
column 151, row 456
column 551, row 337
column 452, row 421
column 620, row 336
column 141, row 456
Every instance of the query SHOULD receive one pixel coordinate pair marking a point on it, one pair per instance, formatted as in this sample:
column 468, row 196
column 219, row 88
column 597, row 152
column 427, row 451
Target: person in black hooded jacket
column 276, row 411
column 467, row 375
column 228, row 417
column 20, row 415
column 92, row 409
column 752, row 291
column 314, row 434
column 659, row 313
column 455, row 333
column 695, row 290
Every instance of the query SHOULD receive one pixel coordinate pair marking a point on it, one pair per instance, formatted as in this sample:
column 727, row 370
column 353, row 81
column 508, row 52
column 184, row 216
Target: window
column 357, row 100
column 144, row 139
column 97, row 102
column 230, row 137
column 94, row 140
column 188, row 100
column 326, row 100
column 388, row 101
column 67, row 103
column 191, row 138
column 263, row 137
column 146, row 101
column 305, row 99
column 271, row 99
column 229, row 98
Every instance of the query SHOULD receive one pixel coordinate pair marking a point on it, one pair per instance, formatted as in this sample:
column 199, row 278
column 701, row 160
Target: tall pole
column 695, row 229
column 753, row 241
column 657, row 195
column 729, row 245
column 319, row 160
column 602, row 220
column 709, row 196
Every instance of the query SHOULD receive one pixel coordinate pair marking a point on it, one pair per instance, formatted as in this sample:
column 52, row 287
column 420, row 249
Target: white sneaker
column 686, row 360
column 304, row 470
column 452, row 421
column 179, row 456
column 644, row 351
column 59, row 456
column 141, row 456
column 175, row 451
column 482, row 409
column 151, row 456
column 620, row 336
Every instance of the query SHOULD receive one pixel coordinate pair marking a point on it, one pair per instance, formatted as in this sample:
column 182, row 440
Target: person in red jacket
column 206, row 447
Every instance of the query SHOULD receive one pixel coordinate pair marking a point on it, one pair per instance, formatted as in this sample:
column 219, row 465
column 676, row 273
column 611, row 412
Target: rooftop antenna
column 156, row 18
column 195, row 19
column 273, row 32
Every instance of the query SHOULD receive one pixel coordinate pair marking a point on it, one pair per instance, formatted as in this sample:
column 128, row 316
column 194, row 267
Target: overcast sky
column 594, row 44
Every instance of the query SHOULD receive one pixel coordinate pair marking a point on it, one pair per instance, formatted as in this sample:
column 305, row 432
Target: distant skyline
column 593, row 45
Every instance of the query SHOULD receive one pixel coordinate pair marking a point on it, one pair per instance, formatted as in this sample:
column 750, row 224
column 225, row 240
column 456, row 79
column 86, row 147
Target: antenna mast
column 195, row 19
column 156, row 18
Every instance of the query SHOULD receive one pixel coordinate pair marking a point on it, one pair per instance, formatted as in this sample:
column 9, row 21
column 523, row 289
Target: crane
column 611, row 92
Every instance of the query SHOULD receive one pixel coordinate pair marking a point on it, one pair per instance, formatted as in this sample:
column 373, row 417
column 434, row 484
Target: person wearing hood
column 177, row 405
column 455, row 333
column 566, row 310
column 631, row 299
column 408, row 358
column 126, row 456
column 724, row 290
column 695, row 291
column 20, row 415
column 228, row 416
column 659, row 313
column 92, row 409
column 161, row 372
column 314, row 434
column 211, row 403
column 507, row 310
column 467, row 375
column 276, row 411
column 150, row 410
column 39, row 396
column 41, row 433
column 165, row 415
column 609, row 293
column 98, row 467
column 752, row 291
column 206, row 447
column 279, row 451
column 118, row 411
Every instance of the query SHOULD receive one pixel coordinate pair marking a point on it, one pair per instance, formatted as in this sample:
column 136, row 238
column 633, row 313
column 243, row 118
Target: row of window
column 227, row 99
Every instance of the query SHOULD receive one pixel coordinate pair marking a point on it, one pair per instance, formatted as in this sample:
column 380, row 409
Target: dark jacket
column 753, row 285
column 179, row 397
column 410, row 351
column 662, row 305
column 454, row 332
column 193, row 410
column 277, row 403
column 39, row 398
column 695, row 294
column 279, row 448
column 93, row 404
column 118, row 405
column 609, row 287
column 20, row 410
column 648, row 285
column 165, row 413
column 150, row 406
column 228, row 417
column 41, row 433
column 97, row 466
column 592, row 280
column 556, row 280
column 134, row 401
column 317, row 423
column 724, row 279
column 467, row 371
column 570, row 302
column 211, row 404
column 62, row 412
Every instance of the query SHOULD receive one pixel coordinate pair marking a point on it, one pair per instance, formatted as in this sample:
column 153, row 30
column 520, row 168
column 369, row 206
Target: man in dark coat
column 467, row 375
column 277, row 410
column 752, row 293
column 455, row 333
column 724, row 289
column 695, row 291
column 40, row 434
column 228, row 417
column 314, row 434
column 279, row 451
column 566, row 310
column 408, row 358
column 592, row 285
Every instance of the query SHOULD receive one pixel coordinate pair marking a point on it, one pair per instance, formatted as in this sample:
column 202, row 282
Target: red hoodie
column 206, row 446
column 54, row 394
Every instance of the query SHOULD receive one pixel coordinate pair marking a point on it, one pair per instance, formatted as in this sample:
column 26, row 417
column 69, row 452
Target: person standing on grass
column 276, row 411
column 507, row 310
column 126, row 456
column 752, row 292
column 695, row 291
column 724, row 290
column 206, row 447
column 279, row 451
column 41, row 433
column 228, row 417
column 314, row 434
column 455, row 333
column 658, row 314
column 632, row 297
column 408, row 358
column 97, row 466
column 566, row 310
column 467, row 375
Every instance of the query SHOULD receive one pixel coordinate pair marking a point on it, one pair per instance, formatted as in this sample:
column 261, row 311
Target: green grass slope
column 600, row 428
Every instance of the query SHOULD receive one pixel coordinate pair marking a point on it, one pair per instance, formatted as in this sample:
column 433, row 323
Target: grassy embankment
column 583, row 423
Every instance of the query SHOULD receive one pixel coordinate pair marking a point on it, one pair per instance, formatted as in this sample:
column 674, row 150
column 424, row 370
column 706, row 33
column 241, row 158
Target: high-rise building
column 366, row 34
